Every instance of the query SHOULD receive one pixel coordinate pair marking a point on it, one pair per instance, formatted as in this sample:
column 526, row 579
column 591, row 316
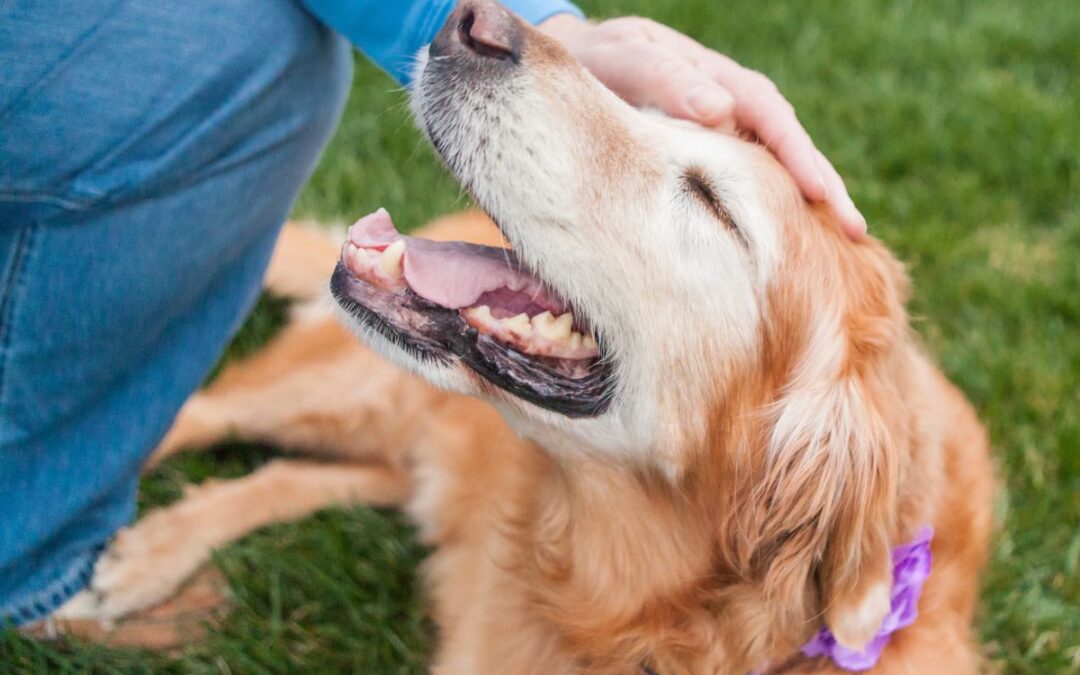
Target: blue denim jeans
column 149, row 152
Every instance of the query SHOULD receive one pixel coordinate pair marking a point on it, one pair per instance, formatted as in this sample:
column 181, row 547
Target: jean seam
column 43, row 603
column 75, row 203
column 9, row 291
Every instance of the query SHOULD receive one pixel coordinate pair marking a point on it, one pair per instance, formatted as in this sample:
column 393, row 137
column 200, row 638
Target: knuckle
column 622, row 30
column 725, row 103
column 637, row 24
column 669, row 67
column 605, row 33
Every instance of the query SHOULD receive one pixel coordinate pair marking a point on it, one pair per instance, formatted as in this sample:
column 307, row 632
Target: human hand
column 649, row 64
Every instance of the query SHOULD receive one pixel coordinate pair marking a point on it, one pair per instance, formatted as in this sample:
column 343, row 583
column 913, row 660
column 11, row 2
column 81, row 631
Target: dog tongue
column 450, row 274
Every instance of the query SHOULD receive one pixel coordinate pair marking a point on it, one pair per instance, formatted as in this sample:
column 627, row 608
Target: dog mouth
column 441, row 301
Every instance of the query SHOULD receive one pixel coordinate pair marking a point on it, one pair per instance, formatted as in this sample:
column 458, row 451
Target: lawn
column 957, row 125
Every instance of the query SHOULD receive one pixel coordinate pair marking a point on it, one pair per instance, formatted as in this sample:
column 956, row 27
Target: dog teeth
column 356, row 256
column 543, row 325
column 552, row 328
column 481, row 315
column 543, row 334
column 519, row 325
column 563, row 325
column 390, row 260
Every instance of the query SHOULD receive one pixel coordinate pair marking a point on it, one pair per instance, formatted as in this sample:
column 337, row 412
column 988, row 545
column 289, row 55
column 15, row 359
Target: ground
column 957, row 125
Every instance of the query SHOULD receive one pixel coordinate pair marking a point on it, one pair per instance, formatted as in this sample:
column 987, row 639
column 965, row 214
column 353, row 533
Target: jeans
column 149, row 152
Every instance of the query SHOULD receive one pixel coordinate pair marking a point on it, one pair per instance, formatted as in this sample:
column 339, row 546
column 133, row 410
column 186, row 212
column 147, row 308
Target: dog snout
column 481, row 27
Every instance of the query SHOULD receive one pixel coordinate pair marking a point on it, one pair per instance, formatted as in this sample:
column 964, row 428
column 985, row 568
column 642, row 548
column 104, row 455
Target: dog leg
column 303, row 260
column 314, row 390
column 147, row 562
column 198, row 424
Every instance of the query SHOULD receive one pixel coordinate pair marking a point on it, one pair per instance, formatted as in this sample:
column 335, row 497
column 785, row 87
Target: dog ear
column 826, row 501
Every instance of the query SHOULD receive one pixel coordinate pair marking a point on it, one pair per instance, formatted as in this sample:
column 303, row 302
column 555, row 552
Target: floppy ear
column 826, row 502
column 830, row 490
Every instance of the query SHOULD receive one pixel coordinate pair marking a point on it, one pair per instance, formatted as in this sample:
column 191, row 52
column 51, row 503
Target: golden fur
column 776, row 430
column 581, row 565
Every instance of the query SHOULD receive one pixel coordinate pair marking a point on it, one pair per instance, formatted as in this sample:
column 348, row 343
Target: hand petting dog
column 649, row 64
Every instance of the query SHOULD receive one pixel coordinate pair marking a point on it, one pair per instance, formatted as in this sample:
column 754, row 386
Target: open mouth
column 446, row 300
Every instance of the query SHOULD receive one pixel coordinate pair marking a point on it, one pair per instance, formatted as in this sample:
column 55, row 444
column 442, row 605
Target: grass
column 957, row 126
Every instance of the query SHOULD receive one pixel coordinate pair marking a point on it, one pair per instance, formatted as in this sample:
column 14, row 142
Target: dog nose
column 482, row 27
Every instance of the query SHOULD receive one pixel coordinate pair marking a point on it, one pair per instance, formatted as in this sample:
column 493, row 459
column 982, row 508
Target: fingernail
column 706, row 102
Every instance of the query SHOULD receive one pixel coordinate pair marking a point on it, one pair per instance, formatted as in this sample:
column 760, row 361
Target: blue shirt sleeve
column 390, row 32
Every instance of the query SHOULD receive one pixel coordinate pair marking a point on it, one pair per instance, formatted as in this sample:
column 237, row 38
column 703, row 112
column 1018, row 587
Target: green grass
column 957, row 125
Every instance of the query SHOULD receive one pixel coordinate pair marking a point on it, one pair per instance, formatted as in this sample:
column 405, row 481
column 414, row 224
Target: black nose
column 480, row 27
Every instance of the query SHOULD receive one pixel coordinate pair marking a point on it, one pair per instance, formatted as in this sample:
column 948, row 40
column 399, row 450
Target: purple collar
column 911, row 567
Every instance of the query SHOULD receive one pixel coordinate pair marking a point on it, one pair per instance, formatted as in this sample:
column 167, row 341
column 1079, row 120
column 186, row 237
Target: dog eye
column 697, row 185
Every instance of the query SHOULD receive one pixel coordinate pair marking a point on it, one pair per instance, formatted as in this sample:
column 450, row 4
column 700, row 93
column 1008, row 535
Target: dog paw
column 143, row 566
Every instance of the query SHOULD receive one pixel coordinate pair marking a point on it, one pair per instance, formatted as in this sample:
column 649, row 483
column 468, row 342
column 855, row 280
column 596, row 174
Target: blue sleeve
column 390, row 32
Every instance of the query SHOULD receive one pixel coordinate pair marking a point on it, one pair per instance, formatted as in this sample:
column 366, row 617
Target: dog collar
column 911, row 567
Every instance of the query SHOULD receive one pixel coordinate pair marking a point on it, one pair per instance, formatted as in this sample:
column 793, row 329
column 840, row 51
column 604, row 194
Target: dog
column 680, row 425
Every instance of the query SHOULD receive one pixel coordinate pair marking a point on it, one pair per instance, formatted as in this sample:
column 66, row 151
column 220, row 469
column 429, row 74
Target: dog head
column 684, row 309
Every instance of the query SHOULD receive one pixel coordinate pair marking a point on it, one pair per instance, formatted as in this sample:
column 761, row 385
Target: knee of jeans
column 286, row 77
column 309, row 62
column 267, row 79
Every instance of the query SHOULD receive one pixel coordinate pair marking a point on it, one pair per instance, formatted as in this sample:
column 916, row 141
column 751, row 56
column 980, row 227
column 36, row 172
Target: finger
column 782, row 134
column 851, row 221
column 669, row 82
column 764, row 111
column 699, row 99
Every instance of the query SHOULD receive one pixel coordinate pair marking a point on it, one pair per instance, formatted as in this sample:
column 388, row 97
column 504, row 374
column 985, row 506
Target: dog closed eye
column 697, row 185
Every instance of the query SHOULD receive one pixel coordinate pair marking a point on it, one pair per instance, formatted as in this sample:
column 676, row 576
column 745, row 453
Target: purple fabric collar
column 911, row 567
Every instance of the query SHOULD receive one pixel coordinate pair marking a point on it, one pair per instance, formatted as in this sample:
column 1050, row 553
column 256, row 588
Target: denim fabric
column 149, row 152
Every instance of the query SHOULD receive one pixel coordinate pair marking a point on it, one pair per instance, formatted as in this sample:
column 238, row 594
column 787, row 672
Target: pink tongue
column 450, row 274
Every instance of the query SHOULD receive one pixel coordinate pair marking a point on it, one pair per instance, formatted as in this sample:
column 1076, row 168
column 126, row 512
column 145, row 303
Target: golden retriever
column 679, row 429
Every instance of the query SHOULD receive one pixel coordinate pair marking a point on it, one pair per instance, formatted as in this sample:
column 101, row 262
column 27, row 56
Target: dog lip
column 434, row 334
